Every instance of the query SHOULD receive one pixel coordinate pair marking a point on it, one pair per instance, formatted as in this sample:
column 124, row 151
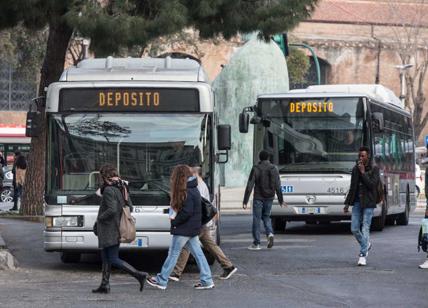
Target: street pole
column 402, row 69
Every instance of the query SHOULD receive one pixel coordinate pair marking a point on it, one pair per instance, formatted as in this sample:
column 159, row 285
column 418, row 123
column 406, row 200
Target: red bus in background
column 12, row 139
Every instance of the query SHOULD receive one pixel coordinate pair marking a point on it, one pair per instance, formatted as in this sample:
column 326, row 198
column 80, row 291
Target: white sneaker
column 270, row 241
column 362, row 261
column 254, row 247
column 424, row 265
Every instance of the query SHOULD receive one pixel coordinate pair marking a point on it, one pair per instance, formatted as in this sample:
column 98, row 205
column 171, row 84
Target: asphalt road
column 309, row 266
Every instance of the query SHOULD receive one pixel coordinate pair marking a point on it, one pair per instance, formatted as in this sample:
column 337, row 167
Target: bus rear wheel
column 279, row 224
column 70, row 257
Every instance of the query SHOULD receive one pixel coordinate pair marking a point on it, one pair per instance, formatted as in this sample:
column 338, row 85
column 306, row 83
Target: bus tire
column 279, row 224
column 390, row 220
column 403, row 218
column 70, row 257
column 379, row 222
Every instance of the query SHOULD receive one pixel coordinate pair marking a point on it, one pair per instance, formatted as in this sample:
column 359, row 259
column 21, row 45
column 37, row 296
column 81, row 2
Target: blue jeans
column 360, row 226
column 110, row 255
column 194, row 246
column 261, row 211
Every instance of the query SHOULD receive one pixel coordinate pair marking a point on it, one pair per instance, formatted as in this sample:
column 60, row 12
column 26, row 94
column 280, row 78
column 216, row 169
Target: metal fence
column 15, row 91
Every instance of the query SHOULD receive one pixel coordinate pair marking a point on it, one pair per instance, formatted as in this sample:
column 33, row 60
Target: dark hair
column 21, row 162
column 179, row 177
column 17, row 153
column 364, row 149
column 264, row 155
column 108, row 171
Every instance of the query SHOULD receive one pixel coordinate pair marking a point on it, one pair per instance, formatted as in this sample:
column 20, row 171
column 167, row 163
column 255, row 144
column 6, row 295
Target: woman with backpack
column 114, row 197
column 185, row 216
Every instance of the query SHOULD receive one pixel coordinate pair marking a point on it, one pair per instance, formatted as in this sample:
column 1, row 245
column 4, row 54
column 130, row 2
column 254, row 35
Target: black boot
column 105, row 285
column 140, row 276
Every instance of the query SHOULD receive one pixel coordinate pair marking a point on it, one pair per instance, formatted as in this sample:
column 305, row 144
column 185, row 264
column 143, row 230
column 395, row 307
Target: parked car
column 419, row 180
column 7, row 192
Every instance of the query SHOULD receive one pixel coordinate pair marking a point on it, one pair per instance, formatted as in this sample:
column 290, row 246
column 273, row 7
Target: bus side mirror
column 33, row 122
column 377, row 120
column 244, row 121
column 224, row 137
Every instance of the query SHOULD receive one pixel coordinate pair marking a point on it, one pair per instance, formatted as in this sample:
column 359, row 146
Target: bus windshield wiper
column 77, row 200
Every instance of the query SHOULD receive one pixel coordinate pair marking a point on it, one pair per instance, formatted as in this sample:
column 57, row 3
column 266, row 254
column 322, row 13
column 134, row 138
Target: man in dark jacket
column 264, row 177
column 362, row 196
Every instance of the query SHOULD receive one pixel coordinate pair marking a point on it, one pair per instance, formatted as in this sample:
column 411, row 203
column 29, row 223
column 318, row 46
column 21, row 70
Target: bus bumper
column 321, row 211
column 86, row 241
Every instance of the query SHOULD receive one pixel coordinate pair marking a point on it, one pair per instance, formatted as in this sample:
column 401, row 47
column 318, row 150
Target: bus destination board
column 129, row 99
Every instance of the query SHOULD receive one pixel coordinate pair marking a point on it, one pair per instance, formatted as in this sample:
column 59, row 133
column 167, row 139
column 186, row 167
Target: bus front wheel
column 70, row 257
column 379, row 221
column 279, row 224
column 403, row 218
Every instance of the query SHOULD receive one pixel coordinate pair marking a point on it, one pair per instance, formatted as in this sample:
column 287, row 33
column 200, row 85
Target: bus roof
column 375, row 91
column 136, row 69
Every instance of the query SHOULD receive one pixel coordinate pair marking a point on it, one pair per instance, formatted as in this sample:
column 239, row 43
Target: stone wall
column 352, row 53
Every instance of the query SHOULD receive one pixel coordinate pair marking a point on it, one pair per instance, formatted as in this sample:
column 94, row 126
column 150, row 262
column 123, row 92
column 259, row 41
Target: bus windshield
column 313, row 135
column 143, row 147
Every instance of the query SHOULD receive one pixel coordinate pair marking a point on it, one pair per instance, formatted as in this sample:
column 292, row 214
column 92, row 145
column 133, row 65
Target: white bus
column 314, row 135
column 145, row 116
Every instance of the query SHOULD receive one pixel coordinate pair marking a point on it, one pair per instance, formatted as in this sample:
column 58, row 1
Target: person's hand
column 346, row 209
column 361, row 167
column 283, row 204
column 244, row 206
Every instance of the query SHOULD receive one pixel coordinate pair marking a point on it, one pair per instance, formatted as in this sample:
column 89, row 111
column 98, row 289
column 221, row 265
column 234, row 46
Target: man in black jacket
column 362, row 197
column 264, row 177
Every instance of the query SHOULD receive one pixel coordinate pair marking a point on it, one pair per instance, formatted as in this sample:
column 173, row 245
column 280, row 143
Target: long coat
column 108, row 218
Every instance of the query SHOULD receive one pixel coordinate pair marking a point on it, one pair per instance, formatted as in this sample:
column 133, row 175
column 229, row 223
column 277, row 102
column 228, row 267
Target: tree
column 410, row 43
column 113, row 24
column 298, row 66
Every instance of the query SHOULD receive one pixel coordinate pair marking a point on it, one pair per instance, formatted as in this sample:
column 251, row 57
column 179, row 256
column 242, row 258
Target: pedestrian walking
column 425, row 264
column 264, row 178
column 362, row 197
column 113, row 191
column 15, row 190
column 206, row 240
column 3, row 162
column 185, row 215
column 20, row 171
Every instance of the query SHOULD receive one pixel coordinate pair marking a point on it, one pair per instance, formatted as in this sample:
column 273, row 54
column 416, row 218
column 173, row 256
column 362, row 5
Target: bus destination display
column 129, row 99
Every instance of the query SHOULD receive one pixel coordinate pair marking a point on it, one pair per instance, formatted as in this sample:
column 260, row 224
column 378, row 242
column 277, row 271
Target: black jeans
column 110, row 255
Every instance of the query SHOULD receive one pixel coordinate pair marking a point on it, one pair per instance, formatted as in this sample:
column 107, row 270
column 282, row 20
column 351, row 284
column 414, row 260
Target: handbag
column 208, row 211
column 127, row 228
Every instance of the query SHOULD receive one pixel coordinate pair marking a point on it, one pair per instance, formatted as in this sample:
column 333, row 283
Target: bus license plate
column 310, row 210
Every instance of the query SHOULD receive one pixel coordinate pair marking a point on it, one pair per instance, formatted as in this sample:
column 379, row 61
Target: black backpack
column 266, row 182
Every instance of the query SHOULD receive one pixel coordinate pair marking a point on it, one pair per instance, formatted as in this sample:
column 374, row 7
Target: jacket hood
column 192, row 182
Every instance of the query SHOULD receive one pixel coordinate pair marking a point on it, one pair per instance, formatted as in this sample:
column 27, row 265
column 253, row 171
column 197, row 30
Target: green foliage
column 298, row 65
column 23, row 49
column 112, row 24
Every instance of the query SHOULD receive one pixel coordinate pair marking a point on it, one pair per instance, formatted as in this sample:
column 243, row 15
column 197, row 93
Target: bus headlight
column 66, row 221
